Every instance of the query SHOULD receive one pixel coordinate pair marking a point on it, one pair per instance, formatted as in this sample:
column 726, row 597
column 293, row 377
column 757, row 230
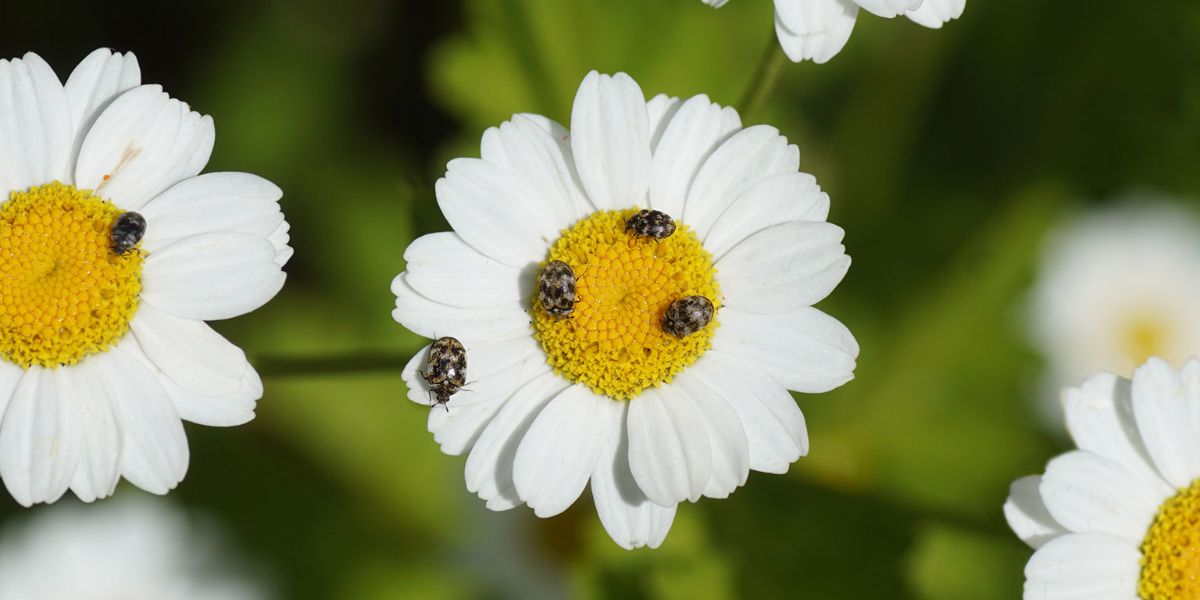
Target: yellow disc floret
column 613, row 341
column 64, row 294
column 1171, row 550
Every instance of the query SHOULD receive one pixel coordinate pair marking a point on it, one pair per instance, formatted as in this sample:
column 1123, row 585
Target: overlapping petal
column 815, row 30
column 629, row 517
column 92, row 86
column 744, row 160
column 40, row 438
column 559, row 451
column 210, row 203
column 1088, row 566
column 935, row 13
column 142, row 144
column 610, row 137
column 1027, row 513
column 805, row 350
column 35, row 124
column 783, row 268
column 212, row 276
column 690, row 136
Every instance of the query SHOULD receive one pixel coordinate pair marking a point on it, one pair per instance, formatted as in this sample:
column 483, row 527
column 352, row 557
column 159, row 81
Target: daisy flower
column 816, row 30
column 103, row 345
column 604, row 394
column 128, row 548
column 1119, row 517
column 1116, row 287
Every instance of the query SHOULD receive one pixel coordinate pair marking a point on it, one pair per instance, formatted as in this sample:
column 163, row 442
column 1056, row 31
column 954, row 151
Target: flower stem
column 316, row 366
column 763, row 83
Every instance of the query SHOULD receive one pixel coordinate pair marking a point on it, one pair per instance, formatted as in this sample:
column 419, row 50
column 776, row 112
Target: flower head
column 1116, row 287
column 1118, row 517
column 816, row 30
column 129, row 548
column 653, row 400
column 113, row 253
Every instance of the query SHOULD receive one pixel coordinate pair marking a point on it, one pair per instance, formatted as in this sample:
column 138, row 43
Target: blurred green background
column 947, row 154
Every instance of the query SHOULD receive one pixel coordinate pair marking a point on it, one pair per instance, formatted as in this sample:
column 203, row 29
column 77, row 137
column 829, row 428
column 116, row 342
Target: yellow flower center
column 1145, row 336
column 613, row 341
column 64, row 294
column 1171, row 551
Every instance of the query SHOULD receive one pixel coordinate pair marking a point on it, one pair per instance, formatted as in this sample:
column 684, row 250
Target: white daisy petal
column 1086, row 566
column 155, row 452
column 457, row 429
column 209, row 203
column 659, row 112
column 726, row 437
column 784, row 267
column 490, row 209
column 142, row 144
column 610, row 137
column 532, row 153
column 98, row 471
column 814, row 30
column 445, row 269
column 10, row 376
column 225, row 410
column 805, row 350
column 629, row 517
column 434, row 319
column 1027, row 514
column 280, row 238
column 35, row 124
column 558, row 453
column 775, row 201
column 669, row 452
column 1087, row 493
column 776, row 435
column 935, row 13
column 189, row 352
column 1100, row 417
column 889, row 8
column 93, row 85
column 744, row 160
column 489, row 469
column 691, row 135
column 40, row 438
column 1168, row 412
column 212, row 276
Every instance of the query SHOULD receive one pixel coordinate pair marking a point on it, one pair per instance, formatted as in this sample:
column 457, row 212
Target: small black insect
column 127, row 231
column 688, row 315
column 556, row 289
column 446, row 369
column 652, row 224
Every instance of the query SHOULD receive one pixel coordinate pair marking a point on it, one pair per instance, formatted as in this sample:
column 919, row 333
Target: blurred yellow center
column 1171, row 550
column 1145, row 336
column 63, row 293
column 613, row 341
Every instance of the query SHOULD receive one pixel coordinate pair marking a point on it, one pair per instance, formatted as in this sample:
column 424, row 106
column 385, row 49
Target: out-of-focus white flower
column 1116, row 287
column 1120, row 517
column 104, row 348
column 124, row 549
column 605, row 394
column 816, row 30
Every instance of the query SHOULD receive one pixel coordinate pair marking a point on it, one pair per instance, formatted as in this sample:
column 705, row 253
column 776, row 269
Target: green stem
column 763, row 83
column 350, row 363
